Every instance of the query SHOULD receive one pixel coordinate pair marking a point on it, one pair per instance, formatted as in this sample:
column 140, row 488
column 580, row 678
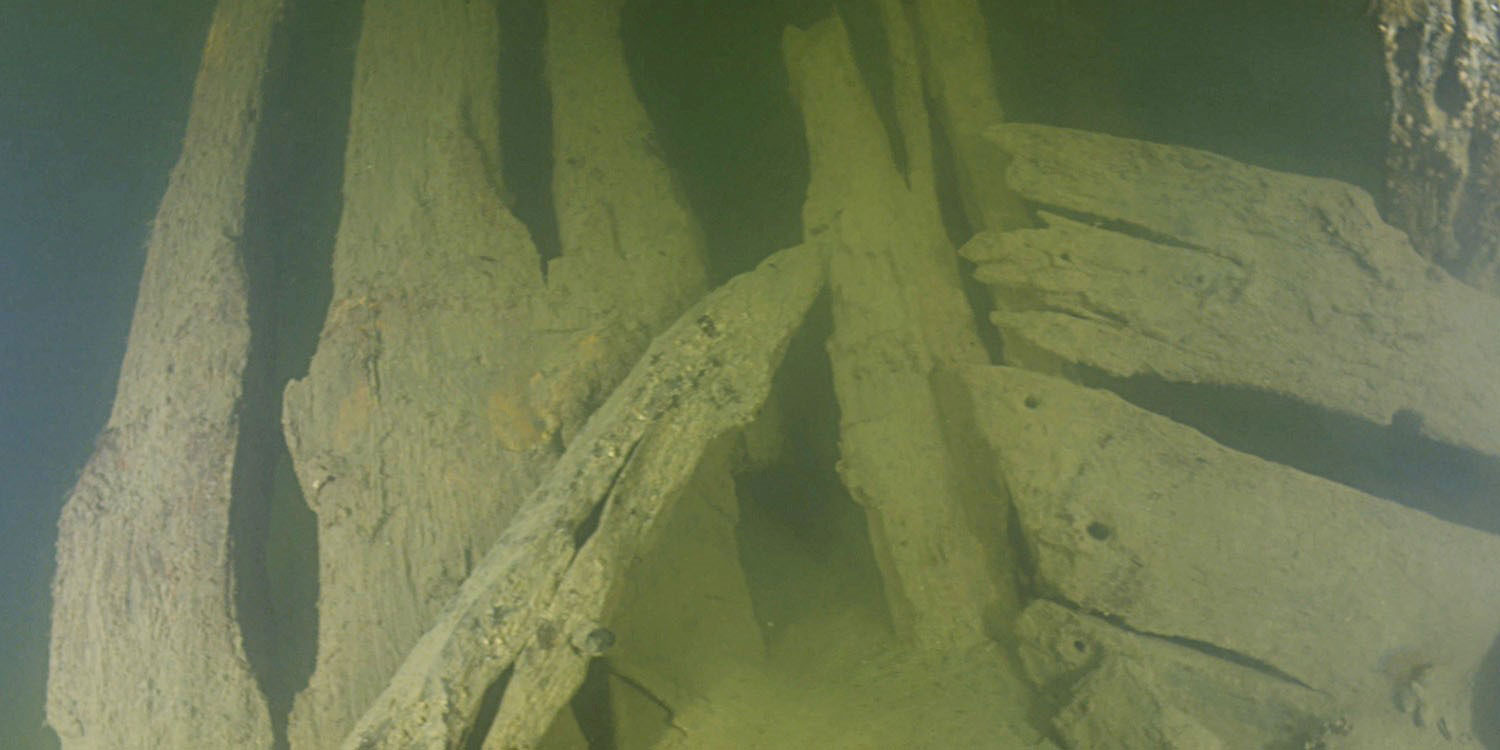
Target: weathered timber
column 899, row 319
column 537, row 600
column 453, row 367
column 1117, row 688
column 1159, row 531
column 1191, row 267
column 1442, row 61
column 146, row 648
column 956, row 68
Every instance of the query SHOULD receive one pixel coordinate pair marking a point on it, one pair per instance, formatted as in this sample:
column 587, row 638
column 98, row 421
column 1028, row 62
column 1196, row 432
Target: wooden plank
column 537, row 600
column 146, row 648
column 1152, row 527
column 1191, row 267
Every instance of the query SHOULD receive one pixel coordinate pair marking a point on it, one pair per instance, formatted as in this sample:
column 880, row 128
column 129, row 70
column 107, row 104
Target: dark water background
column 93, row 100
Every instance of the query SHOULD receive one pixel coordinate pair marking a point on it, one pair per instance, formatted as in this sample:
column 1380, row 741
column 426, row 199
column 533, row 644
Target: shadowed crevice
column 804, row 545
column 872, row 56
column 959, row 230
column 526, row 122
column 713, row 84
column 489, row 709
column 592, row 707
column 291, row 219
column 1394, row 461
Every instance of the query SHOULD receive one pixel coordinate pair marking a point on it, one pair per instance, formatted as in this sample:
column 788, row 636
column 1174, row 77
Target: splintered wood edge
column 707, row 374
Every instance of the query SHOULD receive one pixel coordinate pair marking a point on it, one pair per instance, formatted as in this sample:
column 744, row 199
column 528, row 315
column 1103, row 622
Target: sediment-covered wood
column 539, row 600
column 411, row 412
column 899, row 317
column 146, row 652
column 1149, row 526
column 453, row 367
column 1188, row 266
column 1443, row 159
column 956, row 68
column 1117, row 688
column 630, row 246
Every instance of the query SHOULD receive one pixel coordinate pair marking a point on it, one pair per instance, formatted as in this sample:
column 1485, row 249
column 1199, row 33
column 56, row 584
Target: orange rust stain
column 513, row 422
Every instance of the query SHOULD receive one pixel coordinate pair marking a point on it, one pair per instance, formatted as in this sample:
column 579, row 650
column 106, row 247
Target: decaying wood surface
column 147, row 651
column 456, row 360
column 899, row 318
column 1442, row 60
column 1195, row 268
column 537, row 600
column 1148, row 525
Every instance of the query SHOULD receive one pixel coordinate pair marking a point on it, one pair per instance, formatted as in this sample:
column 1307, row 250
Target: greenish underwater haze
column 93, row 100
column 93, row 103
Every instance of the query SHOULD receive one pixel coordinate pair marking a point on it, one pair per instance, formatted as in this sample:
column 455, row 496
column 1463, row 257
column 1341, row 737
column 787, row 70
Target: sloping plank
column 1157, row 529
column 1193, row 267
column 537, row 599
